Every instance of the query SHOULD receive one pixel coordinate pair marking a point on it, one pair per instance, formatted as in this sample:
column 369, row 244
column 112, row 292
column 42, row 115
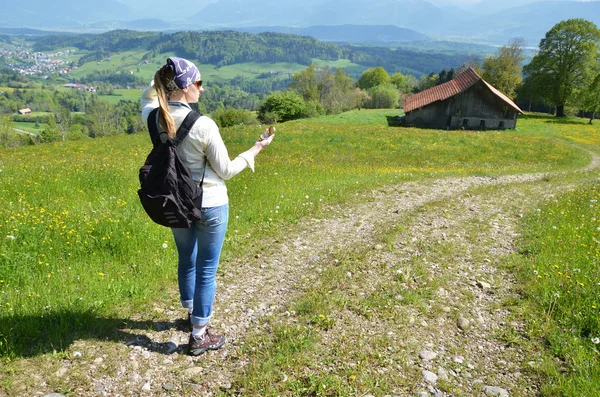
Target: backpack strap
column 153, row 126
column 185, row 127
column 182, row 131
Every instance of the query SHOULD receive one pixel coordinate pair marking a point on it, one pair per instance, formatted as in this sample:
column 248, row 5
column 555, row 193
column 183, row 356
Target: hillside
column 374, row 34
column 221, row 48
column 385, row 261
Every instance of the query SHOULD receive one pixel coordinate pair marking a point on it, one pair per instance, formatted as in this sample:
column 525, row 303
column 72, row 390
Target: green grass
column 29, row 126
column 122, row 95
column 77, row 253
column 352, row 69
column 121, row 61
column 559, row 269
column 371, row 117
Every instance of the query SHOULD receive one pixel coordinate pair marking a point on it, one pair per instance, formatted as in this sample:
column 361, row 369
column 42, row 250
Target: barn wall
column 476, row 108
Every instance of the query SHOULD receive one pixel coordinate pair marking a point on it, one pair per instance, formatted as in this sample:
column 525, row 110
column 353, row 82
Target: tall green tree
column 103, row 118
column 404, row 83
column 373, row 77
column 305, row 83
column 51, row 132
column 589, row 97
column 335, row 89
column 504, row 70
column 426, row 82
column 567, row 53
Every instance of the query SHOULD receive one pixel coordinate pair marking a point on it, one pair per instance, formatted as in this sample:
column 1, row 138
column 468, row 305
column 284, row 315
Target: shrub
column 77, row 132
column 384, row 97
column 287, row 105
column 227, row 117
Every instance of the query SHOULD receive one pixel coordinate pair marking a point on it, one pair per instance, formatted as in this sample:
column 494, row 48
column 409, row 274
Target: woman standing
column 175, row 85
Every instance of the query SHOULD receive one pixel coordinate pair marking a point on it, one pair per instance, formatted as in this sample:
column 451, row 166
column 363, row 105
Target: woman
column 175, row 85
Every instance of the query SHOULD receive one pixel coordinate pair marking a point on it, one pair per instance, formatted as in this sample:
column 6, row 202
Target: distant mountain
column 359, row 21
column 503, row 25
column 60, row 13
column 411, row 14
column 28, row 32
column 151, row 9
column 488, row 7
column 530, row 21
column 347, row 33
column 137, row 24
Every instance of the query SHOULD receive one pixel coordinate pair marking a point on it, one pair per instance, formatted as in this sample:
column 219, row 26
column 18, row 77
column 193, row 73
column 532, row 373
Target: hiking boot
column 206, row 342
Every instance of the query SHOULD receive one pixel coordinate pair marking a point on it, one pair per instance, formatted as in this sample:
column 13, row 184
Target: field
column 131, row 61
column 78, row 256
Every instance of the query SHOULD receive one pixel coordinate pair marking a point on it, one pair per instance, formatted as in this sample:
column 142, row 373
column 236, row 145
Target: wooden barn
column 467, row 102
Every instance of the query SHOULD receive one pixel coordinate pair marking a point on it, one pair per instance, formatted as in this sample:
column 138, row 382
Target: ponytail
column 165, row 120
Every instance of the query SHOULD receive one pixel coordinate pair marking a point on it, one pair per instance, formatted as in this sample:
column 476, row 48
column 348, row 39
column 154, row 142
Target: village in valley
column 31, row 63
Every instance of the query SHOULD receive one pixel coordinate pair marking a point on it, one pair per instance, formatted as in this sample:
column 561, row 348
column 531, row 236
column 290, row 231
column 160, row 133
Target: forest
column 222, row 48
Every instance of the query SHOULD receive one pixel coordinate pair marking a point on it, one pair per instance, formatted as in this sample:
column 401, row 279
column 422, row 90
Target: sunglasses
column 198, row 84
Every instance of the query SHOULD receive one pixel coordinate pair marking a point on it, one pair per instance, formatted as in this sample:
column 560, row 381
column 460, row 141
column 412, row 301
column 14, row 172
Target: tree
column 442, row 77
column 403, row 83
column 426, row 82
column 335, row 88
column 567, row 53
column 305, row 83
column 51, row 133
column 472, row 61
column 590, row 97
column 504, row 70
column 373, row 77
column 103, row 118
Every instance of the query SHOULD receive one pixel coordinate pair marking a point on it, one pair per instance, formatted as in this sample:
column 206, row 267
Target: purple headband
column 185, row 73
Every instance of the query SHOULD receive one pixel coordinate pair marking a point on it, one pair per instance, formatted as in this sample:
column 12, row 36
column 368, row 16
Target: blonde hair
column 163, row 80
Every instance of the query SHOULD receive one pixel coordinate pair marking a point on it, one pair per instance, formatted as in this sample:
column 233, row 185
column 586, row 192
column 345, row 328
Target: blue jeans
column 199, row 249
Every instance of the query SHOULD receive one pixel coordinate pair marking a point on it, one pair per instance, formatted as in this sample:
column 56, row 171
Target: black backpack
column 168, row 193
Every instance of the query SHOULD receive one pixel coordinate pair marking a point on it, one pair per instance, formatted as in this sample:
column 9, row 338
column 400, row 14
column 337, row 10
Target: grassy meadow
column 559, row 270
column 78, row 254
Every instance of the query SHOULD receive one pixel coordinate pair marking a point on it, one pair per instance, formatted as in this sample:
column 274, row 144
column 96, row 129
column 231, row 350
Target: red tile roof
column 449, row 89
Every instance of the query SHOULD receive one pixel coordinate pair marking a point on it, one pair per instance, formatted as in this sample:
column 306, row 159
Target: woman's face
column 192, row 92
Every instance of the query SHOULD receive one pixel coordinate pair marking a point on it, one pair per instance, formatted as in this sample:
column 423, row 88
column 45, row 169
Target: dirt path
column 455, row 232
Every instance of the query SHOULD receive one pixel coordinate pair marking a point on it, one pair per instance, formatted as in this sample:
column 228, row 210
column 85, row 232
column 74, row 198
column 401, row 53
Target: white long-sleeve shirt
column 203, row 140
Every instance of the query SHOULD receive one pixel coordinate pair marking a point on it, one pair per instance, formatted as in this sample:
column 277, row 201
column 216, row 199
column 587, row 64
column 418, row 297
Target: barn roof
column 451, row 88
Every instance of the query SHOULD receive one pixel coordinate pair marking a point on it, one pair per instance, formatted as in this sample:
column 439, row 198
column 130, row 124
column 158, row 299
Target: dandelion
column 101, row 274
column 596, row 340
column 535, row 272
column 11, row 237
column 164, row 245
